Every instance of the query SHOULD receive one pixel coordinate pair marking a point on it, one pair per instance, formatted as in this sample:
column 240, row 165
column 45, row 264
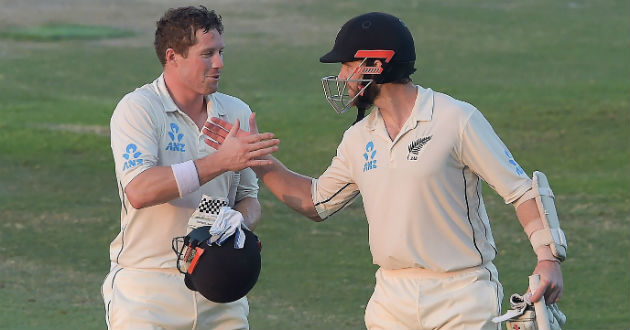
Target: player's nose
column 217, row 62
column 341, row 75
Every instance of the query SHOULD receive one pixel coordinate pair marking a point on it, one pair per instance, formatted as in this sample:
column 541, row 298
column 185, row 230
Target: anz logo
column 132, row 157
column 176, row 139
column 369, row 155
column 517, row 168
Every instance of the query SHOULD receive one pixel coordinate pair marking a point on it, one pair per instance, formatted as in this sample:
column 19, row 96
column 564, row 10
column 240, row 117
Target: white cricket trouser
column 415, row 298
column 159, row 299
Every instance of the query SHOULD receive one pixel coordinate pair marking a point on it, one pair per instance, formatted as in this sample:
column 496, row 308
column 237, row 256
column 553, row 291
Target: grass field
column 552, row 77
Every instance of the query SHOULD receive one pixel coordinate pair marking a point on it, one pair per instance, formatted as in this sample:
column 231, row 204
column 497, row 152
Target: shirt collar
column 169, row 104
column 422, row 109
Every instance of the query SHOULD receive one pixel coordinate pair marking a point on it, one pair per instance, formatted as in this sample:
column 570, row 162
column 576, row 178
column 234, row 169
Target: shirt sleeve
column 134, row 139
column 248, row 185
column 484, row 153
column 335, row 189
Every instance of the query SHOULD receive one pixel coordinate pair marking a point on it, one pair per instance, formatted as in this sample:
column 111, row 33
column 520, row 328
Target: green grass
column 63, row 31
column 552, row 78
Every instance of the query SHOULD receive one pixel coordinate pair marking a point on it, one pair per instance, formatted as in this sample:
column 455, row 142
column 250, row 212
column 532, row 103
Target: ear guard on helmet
column 221, row 273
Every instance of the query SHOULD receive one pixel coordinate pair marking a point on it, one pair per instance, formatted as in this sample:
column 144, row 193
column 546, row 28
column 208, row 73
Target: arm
column 551, row 283
column 484, row 152
column 250, row 209
column 290, row 187
column 151, row 187
column 158, row 184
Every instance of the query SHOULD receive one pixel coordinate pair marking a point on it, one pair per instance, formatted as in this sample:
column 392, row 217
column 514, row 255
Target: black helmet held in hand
column 222, row 273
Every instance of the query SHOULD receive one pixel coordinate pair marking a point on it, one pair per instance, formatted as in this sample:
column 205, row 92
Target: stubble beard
column 369, row 95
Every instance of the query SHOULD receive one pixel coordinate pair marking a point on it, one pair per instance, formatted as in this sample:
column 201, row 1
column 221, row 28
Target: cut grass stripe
column 63, row 31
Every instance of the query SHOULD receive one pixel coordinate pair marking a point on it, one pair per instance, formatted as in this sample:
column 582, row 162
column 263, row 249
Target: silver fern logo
column 415, row 146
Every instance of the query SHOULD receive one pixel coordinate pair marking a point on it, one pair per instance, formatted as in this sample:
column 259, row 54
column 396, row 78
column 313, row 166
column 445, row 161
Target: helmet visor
column 185, row 253
column 336, row 92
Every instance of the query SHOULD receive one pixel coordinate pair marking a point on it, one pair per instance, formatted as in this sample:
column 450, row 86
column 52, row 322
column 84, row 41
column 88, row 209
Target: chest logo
column 132, row 157
column 176, row 139
column 415, row 147
column 370, row 157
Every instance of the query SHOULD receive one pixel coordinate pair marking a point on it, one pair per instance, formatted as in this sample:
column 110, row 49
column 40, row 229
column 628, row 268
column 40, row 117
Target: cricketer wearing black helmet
column 418, row 160
column 369, row 37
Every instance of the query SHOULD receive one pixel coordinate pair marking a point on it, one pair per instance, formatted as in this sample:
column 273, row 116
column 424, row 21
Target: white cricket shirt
column 422, row 191
column 148, row 129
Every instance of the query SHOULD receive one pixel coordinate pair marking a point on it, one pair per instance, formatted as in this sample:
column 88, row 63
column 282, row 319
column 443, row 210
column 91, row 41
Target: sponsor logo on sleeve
column 132, row 157
column 517, row 168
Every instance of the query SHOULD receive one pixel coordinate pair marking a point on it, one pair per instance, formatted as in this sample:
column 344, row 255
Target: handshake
column 240, row 149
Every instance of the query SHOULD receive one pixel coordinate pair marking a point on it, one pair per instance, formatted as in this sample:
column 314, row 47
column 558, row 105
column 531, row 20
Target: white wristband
column 186, row 177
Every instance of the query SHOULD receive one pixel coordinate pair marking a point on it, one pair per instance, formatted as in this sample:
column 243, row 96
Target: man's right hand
column 290, row 187
column 217, row 130
column 239, row 149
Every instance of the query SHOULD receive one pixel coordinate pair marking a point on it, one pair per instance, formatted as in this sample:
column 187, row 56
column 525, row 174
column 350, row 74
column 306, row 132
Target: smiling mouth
column 213, row 75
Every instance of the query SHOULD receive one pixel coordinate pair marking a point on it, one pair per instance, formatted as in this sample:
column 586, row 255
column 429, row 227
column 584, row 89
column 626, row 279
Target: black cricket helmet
column 369, row 37
column 220, row 273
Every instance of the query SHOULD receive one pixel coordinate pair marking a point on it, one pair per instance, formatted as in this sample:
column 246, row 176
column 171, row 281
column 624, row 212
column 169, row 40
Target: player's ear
column 170, row 56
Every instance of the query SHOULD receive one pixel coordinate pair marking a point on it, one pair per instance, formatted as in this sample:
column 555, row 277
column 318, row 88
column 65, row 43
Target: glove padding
column 522, row 316
column 229, row 222
column 206, row 213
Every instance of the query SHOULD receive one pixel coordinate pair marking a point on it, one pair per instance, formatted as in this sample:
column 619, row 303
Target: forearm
column 547, row 266
column 529, row 217
column 210, row 166
column 291, row 188
column 250, row 209
column 158, row 184
column 154, row 186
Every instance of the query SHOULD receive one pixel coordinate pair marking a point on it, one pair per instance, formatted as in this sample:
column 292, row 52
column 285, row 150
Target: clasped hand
column 238, row 148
